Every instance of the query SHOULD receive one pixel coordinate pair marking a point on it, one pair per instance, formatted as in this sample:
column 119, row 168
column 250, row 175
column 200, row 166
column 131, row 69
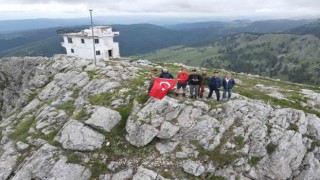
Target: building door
column 110, row 53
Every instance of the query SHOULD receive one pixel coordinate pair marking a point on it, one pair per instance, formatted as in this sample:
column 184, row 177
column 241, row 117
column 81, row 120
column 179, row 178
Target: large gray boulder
column 205, row 131
column 286, row 158
column 98, row 86
column 140, row 135
column 50, row 92
column 311, row 168
column 104, row 118
column 63, row 170
column 16, row 77
column 71, row 79
column 123, row 175
column 75, row 136
column 8, row 161
column 166, row 147
column 167, row 130
column 146, row 174
column 193, row 167
column 168, row 108
column 314, row 126
column 39, row 164
column 188, row 115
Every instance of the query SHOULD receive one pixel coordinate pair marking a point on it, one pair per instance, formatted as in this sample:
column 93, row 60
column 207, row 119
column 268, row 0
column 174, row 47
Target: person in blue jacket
column 228, row 83
column 215, row 83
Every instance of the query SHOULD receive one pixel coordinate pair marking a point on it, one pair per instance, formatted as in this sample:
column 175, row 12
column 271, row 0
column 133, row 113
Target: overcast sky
column 229, row 9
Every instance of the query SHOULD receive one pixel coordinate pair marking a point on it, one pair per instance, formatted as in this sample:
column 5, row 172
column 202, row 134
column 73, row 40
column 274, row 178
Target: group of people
column 197, row 83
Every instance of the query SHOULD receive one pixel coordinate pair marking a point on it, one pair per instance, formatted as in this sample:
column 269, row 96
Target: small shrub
column 202, row 152
column 142, row 98
column 51, row 135
column 75, row 93
column 31, row 97
column 80, row 115
column 271, row 148
column 21, row 132
column 91, row 74
column 293, row 127
column 269, row 128
column 98, row 168
column 75, row 158
column 240, row 141
column 254, row 160
column 217, row 178
column 314, row 144
column 67, row 106
column 103, row 99
column 220, row 159
column 121, row 127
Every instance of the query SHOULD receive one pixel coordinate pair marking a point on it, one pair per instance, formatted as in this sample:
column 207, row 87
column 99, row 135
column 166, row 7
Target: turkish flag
column 161, row 87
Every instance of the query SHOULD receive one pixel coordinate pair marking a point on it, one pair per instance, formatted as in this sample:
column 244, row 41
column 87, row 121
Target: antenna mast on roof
column 93, row 40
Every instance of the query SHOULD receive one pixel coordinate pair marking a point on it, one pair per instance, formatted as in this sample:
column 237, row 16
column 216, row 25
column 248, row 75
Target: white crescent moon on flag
column 163, row 89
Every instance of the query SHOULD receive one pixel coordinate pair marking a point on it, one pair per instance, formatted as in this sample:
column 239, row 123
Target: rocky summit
column 65, row 118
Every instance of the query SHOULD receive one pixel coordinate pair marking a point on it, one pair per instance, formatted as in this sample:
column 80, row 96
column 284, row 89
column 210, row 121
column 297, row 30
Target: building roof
column 88, row 36
column 86, row 33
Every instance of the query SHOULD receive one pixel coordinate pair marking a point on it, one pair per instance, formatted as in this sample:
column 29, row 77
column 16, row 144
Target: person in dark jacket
column 194, row 81
column 204, row 83
column 228, row 83
column 215, row 84
column 165, row 74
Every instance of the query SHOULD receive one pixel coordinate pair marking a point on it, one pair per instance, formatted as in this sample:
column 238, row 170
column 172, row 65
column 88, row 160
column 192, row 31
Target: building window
column 96, row 41
column 82, row 41
column 98, row 53
column 69, row 40
column 72, row 50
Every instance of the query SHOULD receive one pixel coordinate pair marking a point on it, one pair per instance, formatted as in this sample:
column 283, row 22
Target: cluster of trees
column 263, row 59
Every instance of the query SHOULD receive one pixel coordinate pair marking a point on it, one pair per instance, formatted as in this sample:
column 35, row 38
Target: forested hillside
column 312, row 28
column 136, row 38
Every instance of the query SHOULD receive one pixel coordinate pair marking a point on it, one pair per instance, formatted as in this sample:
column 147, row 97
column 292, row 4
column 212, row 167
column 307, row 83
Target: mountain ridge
column 63, row 117
column 19, row 43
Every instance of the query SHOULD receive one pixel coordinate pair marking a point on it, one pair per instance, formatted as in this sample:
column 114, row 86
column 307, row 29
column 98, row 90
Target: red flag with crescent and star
column 161, row 87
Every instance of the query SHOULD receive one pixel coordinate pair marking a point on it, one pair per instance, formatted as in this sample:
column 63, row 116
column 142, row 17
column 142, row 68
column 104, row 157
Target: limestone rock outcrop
column 65, row 118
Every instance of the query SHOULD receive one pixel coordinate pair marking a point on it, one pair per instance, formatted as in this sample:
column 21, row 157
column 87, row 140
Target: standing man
column 228, row 83
column 204, row 83
column 182, row 81
column 165, row 74
column 194, row 83
column 215, row 84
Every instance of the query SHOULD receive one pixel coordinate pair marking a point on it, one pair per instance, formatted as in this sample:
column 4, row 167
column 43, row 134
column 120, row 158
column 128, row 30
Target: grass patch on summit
column 254, row 160
column 21, row 132
column 271, row 148
column 67, row 106
column 293, row 127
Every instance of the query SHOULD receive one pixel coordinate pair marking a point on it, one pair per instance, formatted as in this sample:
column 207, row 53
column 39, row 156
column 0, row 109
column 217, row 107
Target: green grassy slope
column 289, row 57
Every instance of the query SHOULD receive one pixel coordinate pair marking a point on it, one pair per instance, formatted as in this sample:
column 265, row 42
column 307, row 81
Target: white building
column 81, row 44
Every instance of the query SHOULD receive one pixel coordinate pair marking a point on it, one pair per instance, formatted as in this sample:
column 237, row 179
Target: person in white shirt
column 228, row 83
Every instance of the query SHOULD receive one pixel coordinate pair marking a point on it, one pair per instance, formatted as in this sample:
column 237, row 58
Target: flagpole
column 93, row 40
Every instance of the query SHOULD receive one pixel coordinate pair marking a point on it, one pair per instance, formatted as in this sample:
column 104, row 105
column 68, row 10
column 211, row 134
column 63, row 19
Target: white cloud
column 230, row 8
